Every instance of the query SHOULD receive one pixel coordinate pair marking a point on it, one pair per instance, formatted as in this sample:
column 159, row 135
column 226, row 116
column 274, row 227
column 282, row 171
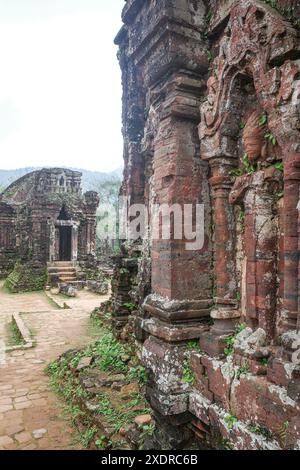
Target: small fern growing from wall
column 188, row 376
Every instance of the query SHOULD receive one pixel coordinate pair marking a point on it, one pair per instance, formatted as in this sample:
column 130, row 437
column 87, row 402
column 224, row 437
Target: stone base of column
column 225, row 320
column 166, row 389
column 173, row 333
column 170, row 324
column 167, row 392
column 175, row 320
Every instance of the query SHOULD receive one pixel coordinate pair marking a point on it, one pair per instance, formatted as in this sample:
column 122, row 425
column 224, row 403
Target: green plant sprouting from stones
column 264, row 361
column 208, row 16
column 247, row 168
column 112, row 357
column 87, row 436
column 236, row 172
column 229, row 341
column 242, row 370
column 193, row 344
column 271, row 138
column 263, row 120
column 188, row 375
column 227, row 444
column 230, row 421
column 260, row 430
column 210, row 56
column 241, row 220
column 110, row 353
column 130, row 306
column 278, row 166
column 103, row 443
column 138, row 373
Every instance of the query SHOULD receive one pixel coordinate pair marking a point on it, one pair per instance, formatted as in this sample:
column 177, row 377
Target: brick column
column 261, row 241
column 257, row 193
column 179, row 275
column 225, row 313
column 291, row 242
column 179, row 307
column 75, row 241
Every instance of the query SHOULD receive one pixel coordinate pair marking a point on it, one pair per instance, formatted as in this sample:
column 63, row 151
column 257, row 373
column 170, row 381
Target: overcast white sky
column 60, row 84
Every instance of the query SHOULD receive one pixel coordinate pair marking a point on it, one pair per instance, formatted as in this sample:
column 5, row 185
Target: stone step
column 66, row 274
column 69, row 274
column 60, row 264
column 61, row 269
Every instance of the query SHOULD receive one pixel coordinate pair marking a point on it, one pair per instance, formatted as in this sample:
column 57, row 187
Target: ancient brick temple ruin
column 211, row 114
column 45, row 220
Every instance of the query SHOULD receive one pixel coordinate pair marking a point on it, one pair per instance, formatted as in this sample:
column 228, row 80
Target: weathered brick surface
column 211, row 115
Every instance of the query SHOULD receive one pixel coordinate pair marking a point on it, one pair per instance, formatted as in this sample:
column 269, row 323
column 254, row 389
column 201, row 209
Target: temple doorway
column 65, row 243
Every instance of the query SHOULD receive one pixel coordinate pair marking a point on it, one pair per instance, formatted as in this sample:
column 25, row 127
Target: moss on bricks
column 26, row 278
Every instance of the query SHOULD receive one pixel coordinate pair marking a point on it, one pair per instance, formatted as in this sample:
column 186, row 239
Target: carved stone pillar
column 257, row 193
column 52, row 240
column 178, row 309
column 291, row 242
column 36, row 235
column 75, row 241
column 168, row 76
column 225, row 313
column 92, row 202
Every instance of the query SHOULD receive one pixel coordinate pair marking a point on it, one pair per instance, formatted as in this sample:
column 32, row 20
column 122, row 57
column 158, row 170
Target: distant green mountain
column 90, row 179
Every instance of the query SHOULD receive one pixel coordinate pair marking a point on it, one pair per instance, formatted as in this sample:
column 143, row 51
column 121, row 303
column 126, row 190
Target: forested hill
column 90, row 179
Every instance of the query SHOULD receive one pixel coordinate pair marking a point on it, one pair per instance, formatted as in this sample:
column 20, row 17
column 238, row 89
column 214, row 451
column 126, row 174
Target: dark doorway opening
column 65, row 243
column 63, row 214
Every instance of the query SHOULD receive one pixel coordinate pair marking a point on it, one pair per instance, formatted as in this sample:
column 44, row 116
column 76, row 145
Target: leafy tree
column 108, row 191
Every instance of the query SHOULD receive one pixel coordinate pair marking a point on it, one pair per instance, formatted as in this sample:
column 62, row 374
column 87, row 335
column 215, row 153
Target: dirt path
column 30, row 414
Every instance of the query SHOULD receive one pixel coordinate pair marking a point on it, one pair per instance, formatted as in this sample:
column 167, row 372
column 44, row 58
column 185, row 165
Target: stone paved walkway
column 30, row 414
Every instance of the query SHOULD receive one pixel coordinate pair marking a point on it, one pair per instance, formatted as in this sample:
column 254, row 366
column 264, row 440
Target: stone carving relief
column 254, row 141
column 256, row 44
column 255, row 39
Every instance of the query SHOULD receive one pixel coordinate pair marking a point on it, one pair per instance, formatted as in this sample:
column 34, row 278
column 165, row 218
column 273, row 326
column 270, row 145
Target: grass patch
column 97, row 324
column 52, row 303
column 112, row 357
column 14, row 337
column 117, row 418
column 230, row 340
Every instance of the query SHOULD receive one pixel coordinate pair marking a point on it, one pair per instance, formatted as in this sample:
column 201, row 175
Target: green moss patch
column 13, row 335
column 26, row 278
